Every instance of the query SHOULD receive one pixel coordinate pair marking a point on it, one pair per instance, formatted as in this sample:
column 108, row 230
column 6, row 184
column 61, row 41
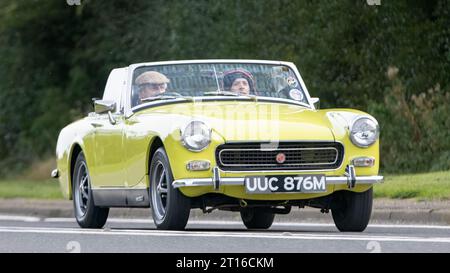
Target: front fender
column 73, row 138
column 179, row 156
column 340, row 120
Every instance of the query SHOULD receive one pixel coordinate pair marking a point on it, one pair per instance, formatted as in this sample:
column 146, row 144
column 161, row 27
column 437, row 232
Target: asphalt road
column 32, row 234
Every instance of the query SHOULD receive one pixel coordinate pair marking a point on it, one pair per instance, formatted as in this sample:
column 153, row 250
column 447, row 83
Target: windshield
column 166, row 82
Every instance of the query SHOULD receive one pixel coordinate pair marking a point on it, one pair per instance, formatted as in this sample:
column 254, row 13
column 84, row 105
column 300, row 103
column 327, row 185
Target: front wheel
column 351, row 210
column 86, row 213
column 257, row 218
column 170, row 208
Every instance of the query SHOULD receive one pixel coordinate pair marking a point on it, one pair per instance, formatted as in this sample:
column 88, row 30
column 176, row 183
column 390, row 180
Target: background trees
column 55, row 57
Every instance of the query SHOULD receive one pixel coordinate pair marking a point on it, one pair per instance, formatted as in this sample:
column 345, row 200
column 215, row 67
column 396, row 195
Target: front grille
column 298, row 156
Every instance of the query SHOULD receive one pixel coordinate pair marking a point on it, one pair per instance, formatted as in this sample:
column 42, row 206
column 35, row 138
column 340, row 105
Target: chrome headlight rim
column 185, row 142
column 351, row 134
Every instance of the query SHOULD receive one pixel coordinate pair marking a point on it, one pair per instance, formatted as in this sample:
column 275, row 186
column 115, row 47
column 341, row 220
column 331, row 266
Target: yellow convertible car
column 235, row 135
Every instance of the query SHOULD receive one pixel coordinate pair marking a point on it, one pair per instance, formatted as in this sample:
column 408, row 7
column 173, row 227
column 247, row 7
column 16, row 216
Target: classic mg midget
column 235, row 135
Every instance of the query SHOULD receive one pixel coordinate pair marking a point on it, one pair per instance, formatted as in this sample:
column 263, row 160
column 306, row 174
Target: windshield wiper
column 290, row 101
column 232, row 94
column 162, row 97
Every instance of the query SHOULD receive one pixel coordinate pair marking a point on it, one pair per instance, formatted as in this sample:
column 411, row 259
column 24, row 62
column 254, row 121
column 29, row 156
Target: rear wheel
column 170, row 208
column 352, row 210
column 86, row 213
column 257, row 218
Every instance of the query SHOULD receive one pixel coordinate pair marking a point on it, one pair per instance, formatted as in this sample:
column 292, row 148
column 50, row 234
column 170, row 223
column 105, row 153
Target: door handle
column 96, row 124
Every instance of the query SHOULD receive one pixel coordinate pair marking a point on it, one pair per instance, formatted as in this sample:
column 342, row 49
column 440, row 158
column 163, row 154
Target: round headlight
column 196, row 136
column 364, row 131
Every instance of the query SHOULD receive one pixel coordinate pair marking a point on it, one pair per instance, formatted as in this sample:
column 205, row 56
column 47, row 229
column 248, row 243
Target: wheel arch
column 74, row 152
column 155, row 144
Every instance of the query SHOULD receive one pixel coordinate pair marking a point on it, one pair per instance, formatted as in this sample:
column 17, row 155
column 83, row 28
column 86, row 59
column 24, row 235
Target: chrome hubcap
column 159, row 190
column 82, row 190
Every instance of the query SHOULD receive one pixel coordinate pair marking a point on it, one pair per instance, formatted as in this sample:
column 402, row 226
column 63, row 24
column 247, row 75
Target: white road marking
column 227, row 234
column 60, row 220
column 110, row 220
column 289, row 224
column 212, row 222
column 19, row 218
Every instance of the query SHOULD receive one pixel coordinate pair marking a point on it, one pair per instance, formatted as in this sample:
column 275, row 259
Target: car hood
column 248, row 120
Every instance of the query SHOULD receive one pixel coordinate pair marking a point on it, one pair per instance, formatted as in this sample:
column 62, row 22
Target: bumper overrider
column 216, row 181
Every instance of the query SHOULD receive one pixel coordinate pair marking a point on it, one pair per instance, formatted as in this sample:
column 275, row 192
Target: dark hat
column 230, row 76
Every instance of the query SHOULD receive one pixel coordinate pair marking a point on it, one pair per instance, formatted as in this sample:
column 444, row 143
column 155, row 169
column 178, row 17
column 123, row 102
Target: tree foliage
column 54, row 57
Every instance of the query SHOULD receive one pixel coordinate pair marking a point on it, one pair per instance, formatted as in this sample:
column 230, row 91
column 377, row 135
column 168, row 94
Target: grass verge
column 37, row 189
column 426, row 186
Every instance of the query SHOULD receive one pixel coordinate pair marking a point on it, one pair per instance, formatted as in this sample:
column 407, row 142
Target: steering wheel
column 171, row 93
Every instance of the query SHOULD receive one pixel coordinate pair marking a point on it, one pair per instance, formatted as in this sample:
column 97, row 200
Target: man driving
column 151, row 84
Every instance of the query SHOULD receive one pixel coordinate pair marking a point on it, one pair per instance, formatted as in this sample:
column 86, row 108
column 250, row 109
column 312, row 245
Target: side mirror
column 316, row 102
column 105, row 106
column 94, row 100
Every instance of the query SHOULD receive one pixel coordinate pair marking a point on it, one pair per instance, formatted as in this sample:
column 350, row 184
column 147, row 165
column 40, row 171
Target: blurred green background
column 391, row 60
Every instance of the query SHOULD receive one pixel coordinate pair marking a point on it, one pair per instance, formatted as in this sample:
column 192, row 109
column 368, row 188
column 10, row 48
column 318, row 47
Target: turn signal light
column 363, row 162
column 198, row 165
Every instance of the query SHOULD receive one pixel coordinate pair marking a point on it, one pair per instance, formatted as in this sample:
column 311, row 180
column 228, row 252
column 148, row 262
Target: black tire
column 170, row 208
column 352, row 210
column 86, row 213
column 257, row 218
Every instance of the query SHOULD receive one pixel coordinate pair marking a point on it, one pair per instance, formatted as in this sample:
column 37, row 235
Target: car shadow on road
column 267, row 231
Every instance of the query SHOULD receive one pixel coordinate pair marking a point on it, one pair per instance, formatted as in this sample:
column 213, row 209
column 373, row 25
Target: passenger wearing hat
column 151, row 84
column 239, row 81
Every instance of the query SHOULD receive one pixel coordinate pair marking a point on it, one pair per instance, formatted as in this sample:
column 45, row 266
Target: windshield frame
column 131, row 110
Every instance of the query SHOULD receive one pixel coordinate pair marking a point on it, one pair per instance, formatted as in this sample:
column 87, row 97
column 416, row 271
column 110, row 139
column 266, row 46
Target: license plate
column 285, row 183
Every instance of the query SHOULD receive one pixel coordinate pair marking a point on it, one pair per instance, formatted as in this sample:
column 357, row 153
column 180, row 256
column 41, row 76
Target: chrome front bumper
column 350, row 179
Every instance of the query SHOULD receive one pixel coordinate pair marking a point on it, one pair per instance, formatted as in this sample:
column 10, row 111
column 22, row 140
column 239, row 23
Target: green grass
column 40, row 189
column 426, row 186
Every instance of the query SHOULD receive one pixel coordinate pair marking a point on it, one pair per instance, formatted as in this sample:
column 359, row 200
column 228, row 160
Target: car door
column 137, row 139
column 109, row 170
